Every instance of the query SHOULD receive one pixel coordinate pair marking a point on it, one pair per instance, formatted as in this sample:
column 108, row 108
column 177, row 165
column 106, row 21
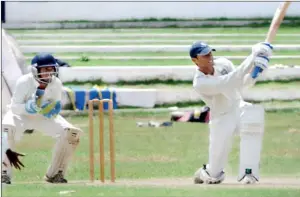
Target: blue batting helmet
column 200, row 48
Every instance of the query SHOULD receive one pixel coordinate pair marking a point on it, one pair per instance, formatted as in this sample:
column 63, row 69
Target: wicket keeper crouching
column 219, row 85
column 35, row 104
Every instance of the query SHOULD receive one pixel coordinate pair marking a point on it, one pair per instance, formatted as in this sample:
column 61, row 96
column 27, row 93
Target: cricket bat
column 277, row 20
column 275, row 24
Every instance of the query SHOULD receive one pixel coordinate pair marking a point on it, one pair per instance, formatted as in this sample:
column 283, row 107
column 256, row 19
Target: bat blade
column 277, row 20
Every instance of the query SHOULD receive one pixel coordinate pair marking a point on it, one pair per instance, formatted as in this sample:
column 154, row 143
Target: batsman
column 35, row 104
column 219, row 85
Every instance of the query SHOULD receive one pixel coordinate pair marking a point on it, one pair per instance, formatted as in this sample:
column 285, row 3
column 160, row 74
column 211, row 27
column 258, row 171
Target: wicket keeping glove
column 51, row 109
column 38, row 96
column 31, row 107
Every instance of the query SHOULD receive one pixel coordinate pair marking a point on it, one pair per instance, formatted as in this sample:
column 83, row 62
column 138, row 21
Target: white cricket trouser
column 220, row 141
column 50, row 127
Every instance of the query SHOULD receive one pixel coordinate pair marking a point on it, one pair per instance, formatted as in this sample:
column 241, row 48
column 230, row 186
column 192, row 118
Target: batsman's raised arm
column 208, row 80
column 248, row 81
column 211, row 84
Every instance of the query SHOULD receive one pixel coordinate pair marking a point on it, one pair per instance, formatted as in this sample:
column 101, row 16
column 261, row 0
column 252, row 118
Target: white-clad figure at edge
column 219, row 85
column 35, row 104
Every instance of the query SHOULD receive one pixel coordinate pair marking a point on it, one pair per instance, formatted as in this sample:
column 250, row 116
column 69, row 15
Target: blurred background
column 137, row 52
column 105, row 11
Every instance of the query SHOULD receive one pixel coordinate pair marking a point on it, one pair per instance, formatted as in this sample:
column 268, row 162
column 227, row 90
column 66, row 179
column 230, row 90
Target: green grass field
column 157, row 62
column 216, row 53
column 171, row 152
column 125, row 191
column 105, row 62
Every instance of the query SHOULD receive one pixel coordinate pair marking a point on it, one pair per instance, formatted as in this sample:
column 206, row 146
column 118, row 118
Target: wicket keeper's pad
column 79, row 97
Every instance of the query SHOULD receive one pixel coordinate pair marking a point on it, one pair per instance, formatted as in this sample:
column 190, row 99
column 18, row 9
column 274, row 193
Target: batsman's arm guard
column 212, row 85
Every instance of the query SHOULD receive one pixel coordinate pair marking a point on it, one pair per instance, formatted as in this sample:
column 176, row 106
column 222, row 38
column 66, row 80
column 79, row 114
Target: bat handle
column 268, row 44
column 256, row 71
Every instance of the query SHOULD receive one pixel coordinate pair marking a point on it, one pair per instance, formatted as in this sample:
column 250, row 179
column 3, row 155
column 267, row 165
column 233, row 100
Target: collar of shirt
column 199, row 73
column 216, row 73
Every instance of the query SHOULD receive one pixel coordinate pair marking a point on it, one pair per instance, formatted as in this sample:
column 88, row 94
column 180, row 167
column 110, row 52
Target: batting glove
column 260, row 64
column 262, row 49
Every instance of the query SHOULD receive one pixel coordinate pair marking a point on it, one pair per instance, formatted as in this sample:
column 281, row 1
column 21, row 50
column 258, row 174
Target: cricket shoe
column 5, row 178
column 58, row 178
column 248, row 178
column 202, row 176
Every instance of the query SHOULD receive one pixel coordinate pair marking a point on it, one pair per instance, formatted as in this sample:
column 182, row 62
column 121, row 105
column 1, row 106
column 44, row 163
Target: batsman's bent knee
column 252, row 119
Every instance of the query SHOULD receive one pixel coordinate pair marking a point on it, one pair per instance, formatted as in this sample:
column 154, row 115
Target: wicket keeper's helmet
column 42, row 60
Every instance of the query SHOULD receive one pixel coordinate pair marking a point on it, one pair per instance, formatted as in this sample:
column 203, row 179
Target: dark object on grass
column 201, row 115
